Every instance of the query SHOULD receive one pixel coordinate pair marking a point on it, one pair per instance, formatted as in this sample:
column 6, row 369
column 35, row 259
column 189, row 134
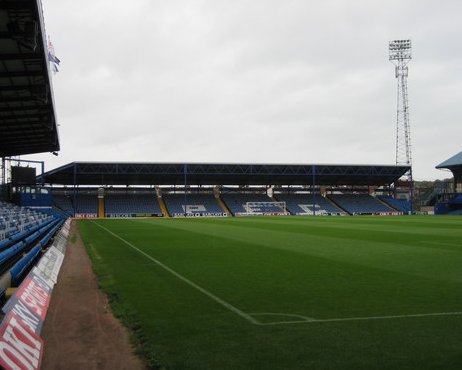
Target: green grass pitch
column 286, row 292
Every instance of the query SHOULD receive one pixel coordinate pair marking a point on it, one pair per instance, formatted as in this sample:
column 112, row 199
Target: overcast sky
column 260, row 81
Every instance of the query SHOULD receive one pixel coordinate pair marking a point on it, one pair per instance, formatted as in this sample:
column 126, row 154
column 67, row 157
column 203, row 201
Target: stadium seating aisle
column 196, row 205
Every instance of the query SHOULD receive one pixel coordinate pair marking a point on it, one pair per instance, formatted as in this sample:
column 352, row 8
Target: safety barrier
column 21, row 346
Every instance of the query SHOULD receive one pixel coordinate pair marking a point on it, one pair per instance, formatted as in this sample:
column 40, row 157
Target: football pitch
column 286, row 292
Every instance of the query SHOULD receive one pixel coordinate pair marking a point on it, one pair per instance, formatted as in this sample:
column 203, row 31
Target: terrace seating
column 302, row 204
column 133, row 203
column 63, row 202
column 14, row 219
column 360, row 204
column 456, row 200
column 237, row 203
column 401, row 205
column 196, row 205
column 86, row 202
column 23, row 234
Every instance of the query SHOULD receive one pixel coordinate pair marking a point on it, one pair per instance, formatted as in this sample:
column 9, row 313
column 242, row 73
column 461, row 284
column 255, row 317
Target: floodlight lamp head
column 400, row 50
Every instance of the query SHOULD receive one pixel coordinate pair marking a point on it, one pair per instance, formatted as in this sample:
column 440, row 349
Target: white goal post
column 265, row 208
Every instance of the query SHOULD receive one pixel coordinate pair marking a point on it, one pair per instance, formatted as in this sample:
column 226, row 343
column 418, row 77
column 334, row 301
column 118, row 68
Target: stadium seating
column 302, row 204
column 24, row 232
column 456, row 200
column 86, row 203
column 135, row 202
column 402, row 205
column 360, row 204
column 196, row 205
column 14, row 219
column 63, row 203
column 132, row 203
column 236, row 203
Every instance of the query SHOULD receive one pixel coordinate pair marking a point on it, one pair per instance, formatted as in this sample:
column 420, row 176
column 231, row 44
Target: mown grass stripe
column 225, row 304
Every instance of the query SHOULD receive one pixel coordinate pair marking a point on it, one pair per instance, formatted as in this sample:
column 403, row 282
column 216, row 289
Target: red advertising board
column 35, row 293
column 20, row 347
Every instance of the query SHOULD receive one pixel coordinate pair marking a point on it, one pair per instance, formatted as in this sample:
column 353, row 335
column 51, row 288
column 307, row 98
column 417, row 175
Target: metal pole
column 313, row 170
column 3, row 189
column 3, row 171
column 43, row 173
column 411, row 201
column 74, row 196
column 185, row 170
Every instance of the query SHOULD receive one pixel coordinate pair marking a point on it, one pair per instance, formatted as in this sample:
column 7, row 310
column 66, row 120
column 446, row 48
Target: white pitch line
column 364, row 318
column 440, row 243
column 254, row 321
column 229, row 306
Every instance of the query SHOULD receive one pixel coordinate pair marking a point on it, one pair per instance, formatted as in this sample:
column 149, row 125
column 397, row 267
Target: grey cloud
column 253, row 81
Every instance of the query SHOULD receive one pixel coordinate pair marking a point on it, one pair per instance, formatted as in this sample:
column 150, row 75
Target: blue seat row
column 401, row 205
column 360, row 204
column 117, row 204
column 308, row 204
column 237, row 203
column 192, row 205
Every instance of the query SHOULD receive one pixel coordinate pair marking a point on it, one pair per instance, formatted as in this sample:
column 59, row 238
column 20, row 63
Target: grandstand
column 236, row 185
column 28, row 120
column 144, row 202
column 32, row 239
column 451, row 202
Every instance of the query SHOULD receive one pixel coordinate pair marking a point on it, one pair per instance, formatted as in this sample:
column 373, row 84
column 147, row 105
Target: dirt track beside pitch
column 80, row 331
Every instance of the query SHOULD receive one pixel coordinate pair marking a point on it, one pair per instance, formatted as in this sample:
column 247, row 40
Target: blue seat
column 360, row 204
column 192, row 205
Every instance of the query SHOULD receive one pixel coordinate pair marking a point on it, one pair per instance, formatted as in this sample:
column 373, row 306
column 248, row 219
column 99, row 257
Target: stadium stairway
column 163, row 207
column 224, row 206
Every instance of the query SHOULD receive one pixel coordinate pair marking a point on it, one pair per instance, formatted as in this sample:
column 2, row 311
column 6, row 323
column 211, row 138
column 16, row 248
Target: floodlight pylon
column 400, row 54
